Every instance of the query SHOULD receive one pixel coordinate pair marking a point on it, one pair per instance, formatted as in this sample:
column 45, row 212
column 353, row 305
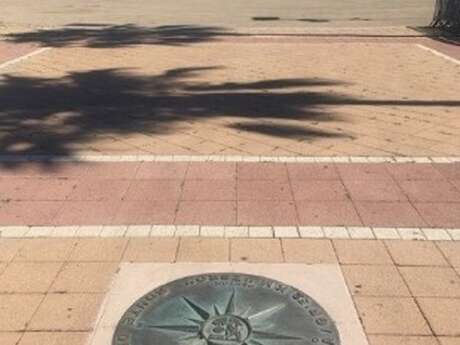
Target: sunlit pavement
column 68, row 224
column 188, row 95
column 26, row 15
column 244, row 194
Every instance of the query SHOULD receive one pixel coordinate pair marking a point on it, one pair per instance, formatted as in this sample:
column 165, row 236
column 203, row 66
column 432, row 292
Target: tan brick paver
column 368, row 104
column 308, row 251
column 401, row 340
column 49, row 338
column 375, row 281
column 66, row 312
column 432, row 281
column 449, row 340
column 56, row 250
column 17, row 310
column 9, row 338
column 452, row 252
column 387, row 295
column 28, row 277
column 442, row 314
column 148, row 250
column 361, row 252
column 251, row 250
column 9, row 248
column 415, row 253
column 203, row 250
column 91, row 277
column 96, row 250
column 391, row 315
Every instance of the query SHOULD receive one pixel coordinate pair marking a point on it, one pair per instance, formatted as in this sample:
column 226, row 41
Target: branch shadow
column 110, row 36
column 55, row 115
column 99, row 35
column 286, row 131
column 313, row 20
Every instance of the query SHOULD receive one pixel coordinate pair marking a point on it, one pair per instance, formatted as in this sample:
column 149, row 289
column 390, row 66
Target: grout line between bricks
column 296, row 208
column 446, row 258
column 347, row 285
column 412, row 295
column 63, row 264
column 181, row 193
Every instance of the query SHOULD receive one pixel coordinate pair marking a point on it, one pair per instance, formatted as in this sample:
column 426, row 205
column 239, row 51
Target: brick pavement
column 376, row 195
column 364, row 101
column 405, row 292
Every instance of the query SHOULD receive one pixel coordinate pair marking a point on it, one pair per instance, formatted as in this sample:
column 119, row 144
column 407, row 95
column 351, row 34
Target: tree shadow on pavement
column 54, row 116
column 51, row 116
column 111, row 36
column 439, row 35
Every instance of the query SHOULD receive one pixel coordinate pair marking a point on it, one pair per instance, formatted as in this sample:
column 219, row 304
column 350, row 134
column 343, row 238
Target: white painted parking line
column 163, row 231
column 362, row 233
column 138, row 231
column 437, row 53
column 286, row 232
column 436, row 234
column 187, row 231
column 455, row 234
column 311, row 232
column 260, row 231
column 330, row 232
column 340, row 232
column 212, row 231
column 114, row 231
column 23, row 57
column 415, row 234
column 236, row 231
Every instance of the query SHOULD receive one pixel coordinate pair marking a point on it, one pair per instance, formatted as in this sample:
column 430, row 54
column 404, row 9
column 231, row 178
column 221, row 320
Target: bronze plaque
column 226, row 309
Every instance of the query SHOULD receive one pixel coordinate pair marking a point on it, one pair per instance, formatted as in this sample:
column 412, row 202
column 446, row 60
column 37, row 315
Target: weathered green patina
column 226, row 309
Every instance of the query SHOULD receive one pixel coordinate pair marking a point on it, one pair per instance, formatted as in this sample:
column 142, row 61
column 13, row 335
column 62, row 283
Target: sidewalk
column 97, row 97
column 273, row 194
column 339, row 198
column 405, row 292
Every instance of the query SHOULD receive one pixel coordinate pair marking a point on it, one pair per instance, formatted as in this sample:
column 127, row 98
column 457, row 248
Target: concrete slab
column 324, row 283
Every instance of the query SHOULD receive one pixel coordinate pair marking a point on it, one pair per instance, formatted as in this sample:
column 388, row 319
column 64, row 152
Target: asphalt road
column 19, row 15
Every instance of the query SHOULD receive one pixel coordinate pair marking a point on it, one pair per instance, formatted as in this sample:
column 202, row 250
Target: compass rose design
column 225, row 309
column 212, row 326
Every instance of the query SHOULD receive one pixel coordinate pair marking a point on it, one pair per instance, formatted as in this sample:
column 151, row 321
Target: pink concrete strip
column 10, row 51
column 244, row 194
column 449, row 49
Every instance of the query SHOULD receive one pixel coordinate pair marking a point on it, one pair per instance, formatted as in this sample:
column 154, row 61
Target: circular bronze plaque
column 226, row 309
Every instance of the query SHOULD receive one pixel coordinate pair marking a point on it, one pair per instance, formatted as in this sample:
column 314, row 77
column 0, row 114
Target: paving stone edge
column 326, row 232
